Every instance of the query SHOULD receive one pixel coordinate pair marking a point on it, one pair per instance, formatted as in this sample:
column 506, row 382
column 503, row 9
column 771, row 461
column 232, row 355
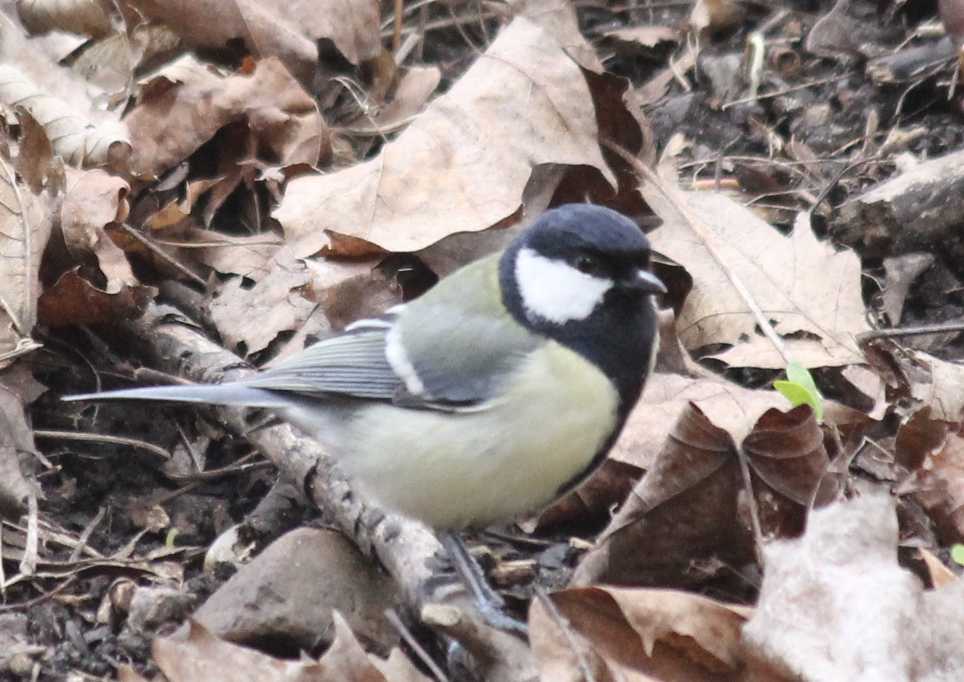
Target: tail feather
column 214, row 394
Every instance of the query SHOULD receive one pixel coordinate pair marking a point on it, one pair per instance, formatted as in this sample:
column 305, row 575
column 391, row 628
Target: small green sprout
column 957, row 554
column 800, row 389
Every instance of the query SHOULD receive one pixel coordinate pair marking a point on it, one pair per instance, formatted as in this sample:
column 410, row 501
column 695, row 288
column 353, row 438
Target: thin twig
column 864, row 337
column 85, row 535
column 416, row 647
column 104, row 438
column 563, row 624
column 397, row 35
column 159, row 252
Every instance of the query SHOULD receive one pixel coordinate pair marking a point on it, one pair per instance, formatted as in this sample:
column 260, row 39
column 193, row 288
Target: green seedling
column 957, row 554
column 800, row 389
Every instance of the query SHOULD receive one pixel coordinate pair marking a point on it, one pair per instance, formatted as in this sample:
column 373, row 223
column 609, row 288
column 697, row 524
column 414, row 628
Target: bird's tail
column 235, row 393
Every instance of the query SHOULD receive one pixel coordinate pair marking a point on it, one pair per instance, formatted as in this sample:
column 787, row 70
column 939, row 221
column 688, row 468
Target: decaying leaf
column 276, row 28
column 15, row 438
column 78, row 140
column 685, row 510
column 25, row 224
column 203, row 656
column 810, row 291
column 835, row 605
column 463, row 164
column 86, row 17
column 637, row 635
column 281, row 117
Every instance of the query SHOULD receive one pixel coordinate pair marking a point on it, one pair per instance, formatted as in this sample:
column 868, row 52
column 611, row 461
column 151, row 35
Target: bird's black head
column 580, row 275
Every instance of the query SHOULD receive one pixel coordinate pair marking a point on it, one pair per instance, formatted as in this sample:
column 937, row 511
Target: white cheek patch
column 554, row 290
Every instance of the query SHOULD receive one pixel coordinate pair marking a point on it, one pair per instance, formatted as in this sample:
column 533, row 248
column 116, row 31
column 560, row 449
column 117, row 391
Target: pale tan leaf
column 286, row 30
column 186, row 69
column 461, row 165
column 94, row 200
column 86, row 17
column 836, row 605
column 279, row 113
column 804, row 286
column 24, row 229
column 79, row 141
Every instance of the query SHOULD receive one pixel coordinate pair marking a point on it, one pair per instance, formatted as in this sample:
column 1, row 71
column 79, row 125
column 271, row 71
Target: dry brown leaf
column 413, row 91
column 86, row 17
column 684, row 509
column 109, row 64
column 202, row 656
column 80, row 141
column 275, row 302
column 275, row 28
column 727, row 405
column 558, row 19
column 95, row 199
column 15, row 438
column 281, row 116
column 74, row 300
column 835, row 605
column 463, row 164
column 246, row 256
column 805, row 287
column 637, row 635
column 25, row 225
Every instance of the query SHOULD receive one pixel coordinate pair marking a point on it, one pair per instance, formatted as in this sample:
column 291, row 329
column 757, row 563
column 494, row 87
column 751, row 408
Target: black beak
column 642, row 281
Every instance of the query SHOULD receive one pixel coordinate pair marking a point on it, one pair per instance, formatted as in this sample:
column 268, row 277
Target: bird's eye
column 587, row 265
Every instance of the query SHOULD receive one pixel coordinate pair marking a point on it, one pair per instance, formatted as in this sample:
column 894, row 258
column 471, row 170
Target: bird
column 491, row 395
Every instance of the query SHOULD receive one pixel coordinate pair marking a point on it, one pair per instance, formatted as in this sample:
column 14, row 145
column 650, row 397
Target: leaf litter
column 287, row 168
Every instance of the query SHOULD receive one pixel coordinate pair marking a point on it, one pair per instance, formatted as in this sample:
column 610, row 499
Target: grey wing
column 461, row 362
column 350, row 364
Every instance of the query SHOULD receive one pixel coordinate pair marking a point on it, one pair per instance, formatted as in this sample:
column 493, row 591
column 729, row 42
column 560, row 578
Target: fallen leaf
column 806, row 287
column 835, row 605
column 280, row 115
column 636, row 635
column 274, row 28
column 463, row 164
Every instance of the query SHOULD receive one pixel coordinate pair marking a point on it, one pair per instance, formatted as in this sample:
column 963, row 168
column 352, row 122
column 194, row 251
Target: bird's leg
column 489, row 602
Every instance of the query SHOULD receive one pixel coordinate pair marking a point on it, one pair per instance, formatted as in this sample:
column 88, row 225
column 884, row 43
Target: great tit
column 490, row 396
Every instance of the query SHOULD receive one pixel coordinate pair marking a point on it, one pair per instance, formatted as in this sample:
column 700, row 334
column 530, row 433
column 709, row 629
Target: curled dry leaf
column 636, row 634
column 835, row 605
column 74, row 300
column 685, row 509
column 275, row 302
column 916, row 380
column 94, row 200
column 275, row 28
column 807, row 288
column 78, row 140
column 86, row 17
column 463, row 164
column 200, row 655
column 281, row 116
column 25, row 224
column 932, row 449
column 15, row 438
